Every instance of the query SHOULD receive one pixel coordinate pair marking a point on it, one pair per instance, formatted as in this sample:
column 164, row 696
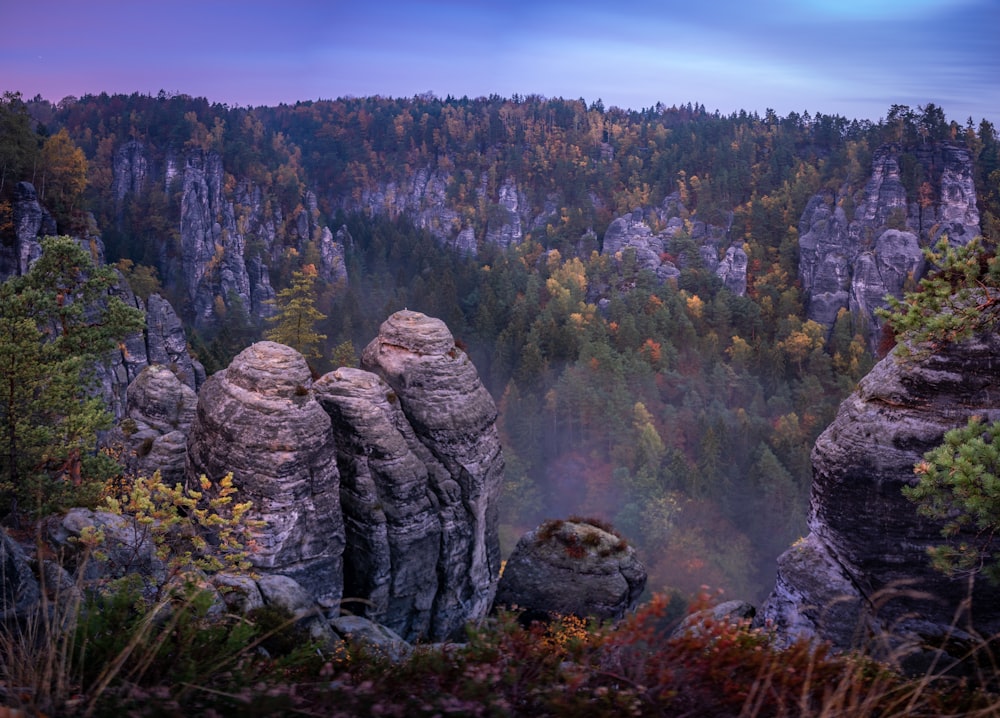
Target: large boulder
column 453, row 421
column 259, row 420
column 863, row 571
column 572, row 567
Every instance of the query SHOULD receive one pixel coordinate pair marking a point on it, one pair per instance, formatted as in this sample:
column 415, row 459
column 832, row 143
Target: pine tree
column 56, row 322
column 296, row 319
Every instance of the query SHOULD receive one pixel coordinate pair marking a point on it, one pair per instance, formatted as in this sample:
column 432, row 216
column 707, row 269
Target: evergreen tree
column 296, row 319
column 56, row 322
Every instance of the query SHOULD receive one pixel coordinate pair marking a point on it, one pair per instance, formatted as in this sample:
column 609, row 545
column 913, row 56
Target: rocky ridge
column 852, row 259
column 227, row 235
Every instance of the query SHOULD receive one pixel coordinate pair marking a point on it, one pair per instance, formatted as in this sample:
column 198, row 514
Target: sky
column 853, row 58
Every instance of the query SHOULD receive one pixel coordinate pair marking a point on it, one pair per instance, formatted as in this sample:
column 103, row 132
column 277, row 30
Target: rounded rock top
column 417, row 333
column 270, row 369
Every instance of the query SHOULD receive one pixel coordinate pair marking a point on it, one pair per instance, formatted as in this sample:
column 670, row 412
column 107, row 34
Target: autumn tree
column 62, row 177
column 56, row 323
column 296, row 317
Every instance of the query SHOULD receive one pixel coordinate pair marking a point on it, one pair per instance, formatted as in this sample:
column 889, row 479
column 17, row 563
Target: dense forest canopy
column 680, row 411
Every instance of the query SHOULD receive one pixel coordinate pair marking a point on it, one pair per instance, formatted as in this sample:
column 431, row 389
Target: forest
column 679, row 411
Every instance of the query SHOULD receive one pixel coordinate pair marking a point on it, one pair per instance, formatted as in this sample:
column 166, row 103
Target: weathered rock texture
column 572, row 567
column 259, row 420
column 161, row 409
column 851, row 260
column 452, row 418
column 19, row 589
column 378, row 486
column 228, row 234
column 163, row 340
column 390, row 509
column 854, row 576
column 633, row 232
column 31, row 221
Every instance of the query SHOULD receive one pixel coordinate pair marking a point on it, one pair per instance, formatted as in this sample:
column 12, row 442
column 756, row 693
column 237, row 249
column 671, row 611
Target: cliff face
column 863, row 570
column 227, row 235
column 851, row 260
column 31, row 221
column 378, row 485
column 633, row 232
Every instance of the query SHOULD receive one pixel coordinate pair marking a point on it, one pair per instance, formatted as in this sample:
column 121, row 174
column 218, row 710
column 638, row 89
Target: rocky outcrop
column 852, row 260
column 259, row 420
column 390, row 509
column 162, row 342
column 453, row 420
column 19, row 589
column 228, row 232
column 505, row 225
column 863, row 571
column 31, row 221
column 572, row 567
column 161, row 410
column 376, row 485
column 633, row 232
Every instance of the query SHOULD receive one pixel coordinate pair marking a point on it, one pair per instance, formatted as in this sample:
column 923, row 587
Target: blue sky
column 849, row 57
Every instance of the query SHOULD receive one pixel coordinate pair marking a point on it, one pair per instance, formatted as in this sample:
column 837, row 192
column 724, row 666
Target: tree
column 296, row 319
column 957, row 300
column 959, row 484
column 63, row 176
column 959, row 481
column 18, row 141
column 56, row 322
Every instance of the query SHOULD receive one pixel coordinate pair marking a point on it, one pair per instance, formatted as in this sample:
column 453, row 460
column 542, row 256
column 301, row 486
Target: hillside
column 627, row 282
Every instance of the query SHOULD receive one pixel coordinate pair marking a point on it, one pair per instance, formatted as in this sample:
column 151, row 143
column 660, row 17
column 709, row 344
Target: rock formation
column 633, row 232
column 376, row 485
column 19, row 589
column 862, row 572
column 228, row 234
column 390, row 508
column 851, row 260
column 259, row 420
column 31, row 221
column 161, row 409
column 453, row 420
column 572, row 567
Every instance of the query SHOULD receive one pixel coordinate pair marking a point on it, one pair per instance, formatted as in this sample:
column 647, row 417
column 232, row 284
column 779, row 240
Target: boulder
column 373, row 637
column 572, row 567
column 259, row 420
column 735, row 612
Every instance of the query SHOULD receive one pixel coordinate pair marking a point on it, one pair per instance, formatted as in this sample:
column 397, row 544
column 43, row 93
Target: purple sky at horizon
column 854, row 58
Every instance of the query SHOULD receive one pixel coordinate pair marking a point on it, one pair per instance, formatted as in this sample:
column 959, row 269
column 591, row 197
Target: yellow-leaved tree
column 294, row 324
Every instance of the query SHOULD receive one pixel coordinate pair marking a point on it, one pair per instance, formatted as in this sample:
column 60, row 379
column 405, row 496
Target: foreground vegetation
column 114, row 659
